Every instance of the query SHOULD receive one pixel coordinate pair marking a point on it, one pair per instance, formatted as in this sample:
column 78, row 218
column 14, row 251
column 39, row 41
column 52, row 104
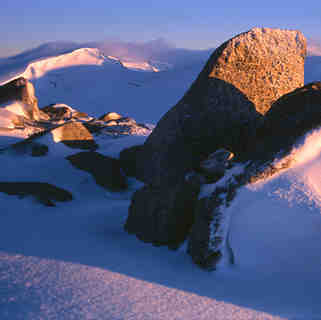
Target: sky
column 186, row 24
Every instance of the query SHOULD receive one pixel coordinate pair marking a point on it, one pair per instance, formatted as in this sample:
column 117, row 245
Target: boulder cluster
column 61, row 123
column 247, row 104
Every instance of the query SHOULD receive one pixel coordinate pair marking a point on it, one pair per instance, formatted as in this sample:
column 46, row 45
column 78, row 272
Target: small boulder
column 215, row 165
column 110, row 116
column 74, row 135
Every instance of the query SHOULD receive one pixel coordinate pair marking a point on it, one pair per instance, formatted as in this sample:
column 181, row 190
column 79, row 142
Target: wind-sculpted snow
column 75, row 261
column 302, row 166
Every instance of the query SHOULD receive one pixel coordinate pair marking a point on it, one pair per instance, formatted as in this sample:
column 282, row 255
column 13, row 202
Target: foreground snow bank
column 276, row 222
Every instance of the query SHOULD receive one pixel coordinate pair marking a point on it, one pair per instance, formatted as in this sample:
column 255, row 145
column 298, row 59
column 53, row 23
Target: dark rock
column 74, row 135
column 23, row 91
column 44, row 192
column 163, row 215
column 215, row 165
column 106, row 171
column 39, row 150
column 289, row 118
column 131, row 161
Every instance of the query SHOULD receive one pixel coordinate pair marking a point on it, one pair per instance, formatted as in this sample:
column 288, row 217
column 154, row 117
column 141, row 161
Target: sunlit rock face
column 22, row 91
column 263, row 63
column 74, row 135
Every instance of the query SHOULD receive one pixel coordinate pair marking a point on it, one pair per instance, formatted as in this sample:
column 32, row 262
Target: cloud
column 314, row 47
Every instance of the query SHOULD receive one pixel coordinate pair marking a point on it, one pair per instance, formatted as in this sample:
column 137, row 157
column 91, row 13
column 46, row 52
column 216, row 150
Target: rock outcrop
column 117, row 127
column 62, row 112
column 222, row 109
column 106, row 171
column 23, row 91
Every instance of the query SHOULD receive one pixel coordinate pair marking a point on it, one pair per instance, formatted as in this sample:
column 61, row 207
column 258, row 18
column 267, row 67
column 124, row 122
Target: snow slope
column 90, row 82
column 74, row 261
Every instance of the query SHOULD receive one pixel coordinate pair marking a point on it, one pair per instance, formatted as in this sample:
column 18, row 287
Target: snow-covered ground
column 74, row 261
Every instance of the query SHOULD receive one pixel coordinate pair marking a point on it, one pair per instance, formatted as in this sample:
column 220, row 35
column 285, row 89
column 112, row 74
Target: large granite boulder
column 106, row 171
column 289, row 118
column 74, row 135
column 222, row 109
column 22, row 91
column 240, row 81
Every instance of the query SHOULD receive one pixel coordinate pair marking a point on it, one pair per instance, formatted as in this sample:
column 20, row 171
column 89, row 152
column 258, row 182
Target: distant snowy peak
column 85, row 57
column 135, row 65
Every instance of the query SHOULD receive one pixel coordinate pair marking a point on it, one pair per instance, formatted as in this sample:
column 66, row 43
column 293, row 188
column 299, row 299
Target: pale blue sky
column 189, row 24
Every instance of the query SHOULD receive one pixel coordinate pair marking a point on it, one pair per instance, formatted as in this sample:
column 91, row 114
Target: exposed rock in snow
column 61, row 112
column 110, row 116
column 44, row 192
column 122, row 126
column 74, row 135
column 215, row 165
column 106, row 171
column 163, row 215
column 18, row 96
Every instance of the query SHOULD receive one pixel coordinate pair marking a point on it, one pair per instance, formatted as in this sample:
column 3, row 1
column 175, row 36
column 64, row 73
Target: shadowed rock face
column 289, row 118
column 21, row 90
